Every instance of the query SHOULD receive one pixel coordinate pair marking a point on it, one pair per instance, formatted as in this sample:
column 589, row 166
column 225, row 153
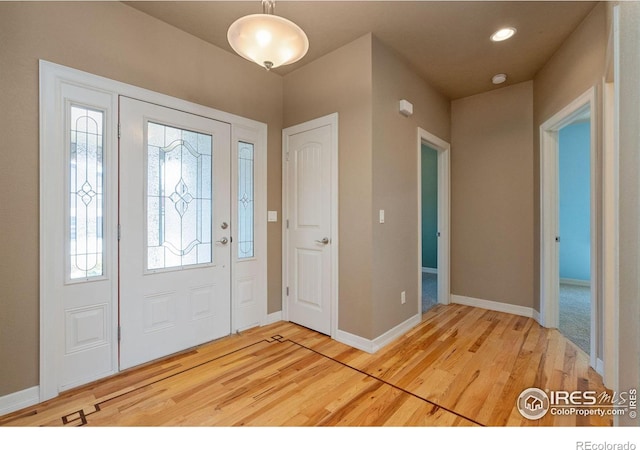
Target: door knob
column 324, row 241
column 223, row 241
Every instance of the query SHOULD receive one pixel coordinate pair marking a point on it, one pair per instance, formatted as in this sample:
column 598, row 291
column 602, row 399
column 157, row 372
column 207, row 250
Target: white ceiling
column 447, row 42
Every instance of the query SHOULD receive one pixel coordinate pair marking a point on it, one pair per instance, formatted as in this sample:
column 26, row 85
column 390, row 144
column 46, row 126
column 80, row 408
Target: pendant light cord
column 268, row 6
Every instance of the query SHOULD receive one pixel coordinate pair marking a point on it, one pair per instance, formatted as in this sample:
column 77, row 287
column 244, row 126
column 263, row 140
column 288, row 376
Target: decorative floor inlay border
column 80, row 417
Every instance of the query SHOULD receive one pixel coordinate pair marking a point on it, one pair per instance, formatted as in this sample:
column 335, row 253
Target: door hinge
column 287, row 156
column 287, row 224
column 119, row 332
column 119, row 131
column 119, row 231
column 287, row 291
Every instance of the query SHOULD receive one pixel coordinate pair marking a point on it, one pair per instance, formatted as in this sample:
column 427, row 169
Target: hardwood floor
column 461, row 366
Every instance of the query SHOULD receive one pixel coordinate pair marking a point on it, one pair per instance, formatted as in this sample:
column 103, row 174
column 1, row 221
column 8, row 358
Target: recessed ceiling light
column 499, row 78
column 503, row 34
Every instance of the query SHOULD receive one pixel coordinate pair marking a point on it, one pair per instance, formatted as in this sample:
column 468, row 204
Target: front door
column 174, row 231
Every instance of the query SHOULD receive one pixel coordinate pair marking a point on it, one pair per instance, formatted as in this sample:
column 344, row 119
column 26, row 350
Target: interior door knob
column 324, row 241
column 223, row 241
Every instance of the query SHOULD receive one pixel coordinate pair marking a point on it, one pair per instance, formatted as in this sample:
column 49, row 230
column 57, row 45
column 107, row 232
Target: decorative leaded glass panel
column 245, row 200
column 179, row 197
column 86, row 222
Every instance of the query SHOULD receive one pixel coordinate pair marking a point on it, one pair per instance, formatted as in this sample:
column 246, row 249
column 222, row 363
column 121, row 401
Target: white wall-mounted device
column 406, row 108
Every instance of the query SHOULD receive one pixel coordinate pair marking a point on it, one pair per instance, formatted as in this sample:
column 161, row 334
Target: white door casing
column 610, row 210
column 443, row 148
column 310, row 228
column 174, row 253
column 549, row 214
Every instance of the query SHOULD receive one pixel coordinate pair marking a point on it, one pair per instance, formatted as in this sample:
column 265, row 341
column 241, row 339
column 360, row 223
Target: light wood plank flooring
column 461, row 366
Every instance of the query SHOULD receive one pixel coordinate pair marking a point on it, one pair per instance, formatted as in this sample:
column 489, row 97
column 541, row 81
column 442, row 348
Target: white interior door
column 175, row 242
column 310, row 155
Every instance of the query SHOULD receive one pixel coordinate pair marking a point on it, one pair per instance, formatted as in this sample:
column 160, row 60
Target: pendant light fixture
column 266, row 39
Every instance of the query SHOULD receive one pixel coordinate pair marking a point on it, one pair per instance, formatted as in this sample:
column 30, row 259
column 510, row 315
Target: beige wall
column 492, row 195
column 396, row 255
column 629, row 188
column 363, row 82
column 118, row 42
column 341, row 82
column 577, row 66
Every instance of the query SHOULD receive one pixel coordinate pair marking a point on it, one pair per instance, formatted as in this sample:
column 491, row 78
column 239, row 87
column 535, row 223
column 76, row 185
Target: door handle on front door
column 223, row 241
column 324, row 241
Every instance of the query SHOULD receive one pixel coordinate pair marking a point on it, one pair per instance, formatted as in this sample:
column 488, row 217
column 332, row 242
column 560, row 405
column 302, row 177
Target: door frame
column 52, row 78
column 549, row 213
column 332, row 121
column 444, row 210
column 610, row 208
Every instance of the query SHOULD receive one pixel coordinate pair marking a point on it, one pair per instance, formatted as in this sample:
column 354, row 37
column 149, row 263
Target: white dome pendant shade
column 268, row 40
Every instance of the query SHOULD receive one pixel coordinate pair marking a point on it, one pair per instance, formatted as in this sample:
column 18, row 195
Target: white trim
column 495, row 306
column 355, row 341
column 272, row 318
column 372, row 346
column 535, row 315
column 549, row 212
column 429, row 270
column 610, row 213
column 599, row 366
column 444, row 208
column 574, row 282
column 18, row 400
column 394, row 333
column 333, row 121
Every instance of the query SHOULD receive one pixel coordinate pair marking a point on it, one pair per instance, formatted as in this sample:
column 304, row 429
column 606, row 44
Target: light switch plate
column 272, row 216
column 382, row 216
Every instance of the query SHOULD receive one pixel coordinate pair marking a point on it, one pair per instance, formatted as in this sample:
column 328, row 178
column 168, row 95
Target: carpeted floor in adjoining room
column 575, row 314
column 429, row 291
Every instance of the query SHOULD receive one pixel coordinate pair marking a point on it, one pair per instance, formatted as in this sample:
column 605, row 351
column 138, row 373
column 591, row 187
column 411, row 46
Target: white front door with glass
column 175, row 231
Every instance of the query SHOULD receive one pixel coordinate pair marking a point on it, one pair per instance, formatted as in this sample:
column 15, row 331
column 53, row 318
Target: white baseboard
column 355, row 341
column 373, row 345
column 536, row 316
column 599, row 366
column 272, row 318
column 18, row 400
column 574, row 282
column 429, row 270
column 493, row 306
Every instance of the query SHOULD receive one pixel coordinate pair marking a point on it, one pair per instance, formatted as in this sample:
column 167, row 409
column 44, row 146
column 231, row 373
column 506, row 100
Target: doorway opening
column 433, row 220
column 568, row 246
column 429, row 181
column 574, row 193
